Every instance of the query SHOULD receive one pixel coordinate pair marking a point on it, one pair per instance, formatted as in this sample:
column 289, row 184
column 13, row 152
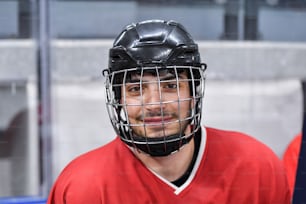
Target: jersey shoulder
column 97, row 159
column 238, row 142
column 83, row 178
column 249, row 164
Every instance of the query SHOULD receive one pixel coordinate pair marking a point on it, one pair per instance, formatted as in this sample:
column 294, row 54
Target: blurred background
column 52, row 53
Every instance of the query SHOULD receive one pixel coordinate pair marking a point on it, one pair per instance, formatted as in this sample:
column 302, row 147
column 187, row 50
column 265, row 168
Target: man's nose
column 153, row 96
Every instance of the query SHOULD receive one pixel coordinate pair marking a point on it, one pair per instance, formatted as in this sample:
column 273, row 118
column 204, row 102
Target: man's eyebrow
column 169, row 76
column 132, row 80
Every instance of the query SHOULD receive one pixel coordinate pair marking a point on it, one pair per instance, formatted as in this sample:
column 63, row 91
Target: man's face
column 157, row 105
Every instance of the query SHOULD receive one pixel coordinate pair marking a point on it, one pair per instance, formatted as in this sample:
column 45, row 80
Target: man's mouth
column 157, row 120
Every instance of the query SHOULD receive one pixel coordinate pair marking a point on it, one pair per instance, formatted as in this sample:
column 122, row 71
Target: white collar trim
column 178, row 190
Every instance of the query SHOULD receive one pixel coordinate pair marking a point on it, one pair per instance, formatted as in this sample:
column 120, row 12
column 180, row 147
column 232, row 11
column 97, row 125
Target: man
column 162, row 155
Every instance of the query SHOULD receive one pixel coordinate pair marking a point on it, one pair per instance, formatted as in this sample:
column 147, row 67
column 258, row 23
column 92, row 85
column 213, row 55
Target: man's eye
column 171, row 85
column 134, row 89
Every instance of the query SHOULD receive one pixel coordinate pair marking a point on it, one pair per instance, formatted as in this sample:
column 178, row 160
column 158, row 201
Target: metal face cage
column 162, row 125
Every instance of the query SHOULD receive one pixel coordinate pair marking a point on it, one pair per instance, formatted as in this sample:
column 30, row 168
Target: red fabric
column 234, row 169
column 290, row 159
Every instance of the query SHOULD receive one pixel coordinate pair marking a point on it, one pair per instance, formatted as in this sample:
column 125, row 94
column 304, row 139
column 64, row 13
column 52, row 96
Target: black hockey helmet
column 153, row 45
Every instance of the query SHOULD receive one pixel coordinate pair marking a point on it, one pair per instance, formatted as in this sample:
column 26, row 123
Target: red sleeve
column 290, row 160
column 70, row 190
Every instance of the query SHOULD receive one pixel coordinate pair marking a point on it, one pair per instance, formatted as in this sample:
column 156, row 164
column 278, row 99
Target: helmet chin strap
column 159, row 147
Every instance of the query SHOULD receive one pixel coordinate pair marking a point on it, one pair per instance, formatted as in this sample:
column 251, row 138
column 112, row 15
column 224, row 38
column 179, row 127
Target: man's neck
column 170, row 167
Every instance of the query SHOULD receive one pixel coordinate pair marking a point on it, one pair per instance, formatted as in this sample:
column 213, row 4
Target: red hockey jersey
column 230, row 168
